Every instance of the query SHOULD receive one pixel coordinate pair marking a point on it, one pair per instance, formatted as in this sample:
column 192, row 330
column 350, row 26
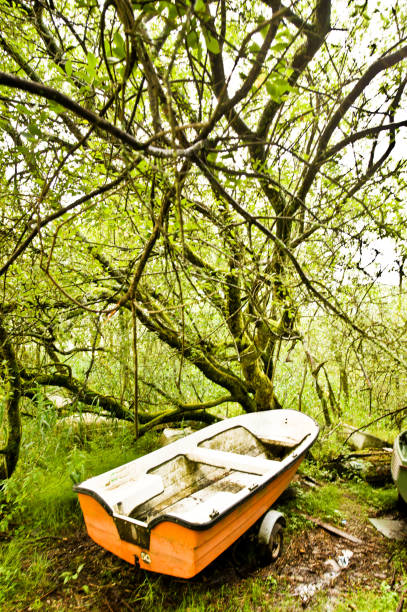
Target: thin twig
column 135, row 361
column 374, row 421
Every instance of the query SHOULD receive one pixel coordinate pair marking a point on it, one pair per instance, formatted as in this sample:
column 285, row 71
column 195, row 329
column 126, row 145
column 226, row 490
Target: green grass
column 18, row 579
column 378, row 498
column 383, row 599
column 41, row 486
column 38, row 502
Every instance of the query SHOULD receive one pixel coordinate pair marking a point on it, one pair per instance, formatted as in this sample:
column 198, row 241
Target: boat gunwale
column 397, row 447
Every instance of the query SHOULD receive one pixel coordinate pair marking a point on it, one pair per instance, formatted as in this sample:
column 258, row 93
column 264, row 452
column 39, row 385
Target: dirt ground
column 313, row 561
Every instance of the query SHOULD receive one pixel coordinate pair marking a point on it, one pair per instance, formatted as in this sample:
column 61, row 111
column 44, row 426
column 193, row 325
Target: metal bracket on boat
column 132, row 531
column 145, row 557
column 253, row 486
column 214, row 513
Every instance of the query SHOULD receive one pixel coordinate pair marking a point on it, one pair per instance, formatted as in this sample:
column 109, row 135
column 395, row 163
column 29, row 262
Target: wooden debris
column 372, row 465
column 335, row 530
column 310, row 482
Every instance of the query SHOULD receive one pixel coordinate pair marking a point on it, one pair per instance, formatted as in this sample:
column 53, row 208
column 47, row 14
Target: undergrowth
column 38, row 503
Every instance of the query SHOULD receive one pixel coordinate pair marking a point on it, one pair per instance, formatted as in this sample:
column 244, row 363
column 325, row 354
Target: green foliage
column 384, row 599
column 41, row 489
column 68, row 576
column 383, row 499
column 399, row 558
column 38, row 506
column 211, row 43
column 259, row 241
column 324, row 502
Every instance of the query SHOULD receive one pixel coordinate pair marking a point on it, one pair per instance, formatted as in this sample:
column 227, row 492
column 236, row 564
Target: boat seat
column 136, row 493
column 233, row 461
column 283, row 440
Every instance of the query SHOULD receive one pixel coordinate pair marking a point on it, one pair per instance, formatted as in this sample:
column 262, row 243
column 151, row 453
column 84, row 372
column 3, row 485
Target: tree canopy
column 193, row 178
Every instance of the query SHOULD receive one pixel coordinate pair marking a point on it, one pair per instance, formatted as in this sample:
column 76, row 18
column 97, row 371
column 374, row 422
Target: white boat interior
column 201, row 476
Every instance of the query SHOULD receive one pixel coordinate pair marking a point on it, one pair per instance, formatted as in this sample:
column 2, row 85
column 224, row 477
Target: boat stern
column 399, row 464
column 101, row 527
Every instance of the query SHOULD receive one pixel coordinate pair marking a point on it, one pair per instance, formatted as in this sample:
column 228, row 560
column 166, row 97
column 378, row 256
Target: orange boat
column 176, row 509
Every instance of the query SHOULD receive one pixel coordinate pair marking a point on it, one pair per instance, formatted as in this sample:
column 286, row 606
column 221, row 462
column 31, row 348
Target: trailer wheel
column 271, row 536
column 401, row 504
column 275, row 544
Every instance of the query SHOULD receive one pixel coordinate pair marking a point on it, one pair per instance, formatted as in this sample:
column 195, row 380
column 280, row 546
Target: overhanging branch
column 43, row 91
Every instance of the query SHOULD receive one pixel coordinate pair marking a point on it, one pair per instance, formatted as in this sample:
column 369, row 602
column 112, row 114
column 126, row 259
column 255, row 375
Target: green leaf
column 119, row 48
column 254, row 48
column 68, row 67
column 284, row 34
column 212, row 44
column 91, row 74
column 193, row 39
column 172, row 12
column 80, row 568
column 85, row 75
column 34, row 129
column 23, row 110
column 91, row 67
column 92, row 60
column 277, row 87
column 55, row 107
column 122, row 71
column 271, row 90
column 200, row 6
column 281, row 46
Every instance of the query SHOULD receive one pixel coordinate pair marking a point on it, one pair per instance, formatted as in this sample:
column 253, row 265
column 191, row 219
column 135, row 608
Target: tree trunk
column 261, row 384
column 12, row 383
column 314, row 369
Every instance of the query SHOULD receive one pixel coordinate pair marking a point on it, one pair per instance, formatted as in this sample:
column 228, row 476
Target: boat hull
column 178, row 508
column 399, row 465
column 177, row 550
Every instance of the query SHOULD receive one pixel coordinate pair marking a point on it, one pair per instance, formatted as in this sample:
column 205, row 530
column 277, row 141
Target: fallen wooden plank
column 370, row 465
column 335, row 530
column 401, row 604
column 310, row 482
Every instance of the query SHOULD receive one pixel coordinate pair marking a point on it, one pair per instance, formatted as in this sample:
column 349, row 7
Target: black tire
column 275, row 544
column 402, row 505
